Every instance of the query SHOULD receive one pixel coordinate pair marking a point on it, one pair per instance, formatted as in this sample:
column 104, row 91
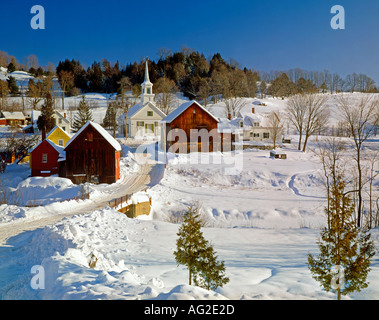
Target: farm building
column 183, row 128
column 8, row 118
column 92, row 155
column 44, row 158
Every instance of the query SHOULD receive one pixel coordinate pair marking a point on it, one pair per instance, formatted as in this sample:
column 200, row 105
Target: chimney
column 229, row 116
column 64, row 115
column 253, row 110
column 43, row 133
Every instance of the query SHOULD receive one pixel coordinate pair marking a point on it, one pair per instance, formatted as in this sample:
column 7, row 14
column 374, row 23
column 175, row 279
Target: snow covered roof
column 13, row 115
column 226, row 125
column 112, row 141
column 59, row 149
column 139, row 106
column 183, row 107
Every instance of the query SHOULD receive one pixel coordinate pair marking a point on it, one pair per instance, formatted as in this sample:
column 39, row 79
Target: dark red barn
column 92, row 155
column 191, row 127
column 44, row 158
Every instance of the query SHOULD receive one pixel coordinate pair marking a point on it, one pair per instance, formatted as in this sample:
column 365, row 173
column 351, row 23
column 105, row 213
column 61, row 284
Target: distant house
column 8, row 118
column 58, row 136
column 181, row 129
column 60, row 120
column 256, row 127
column 142, row 120
column 44, row 158
column 92, row 155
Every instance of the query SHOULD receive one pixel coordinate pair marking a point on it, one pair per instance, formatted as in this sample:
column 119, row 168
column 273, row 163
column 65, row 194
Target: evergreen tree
column 197, row 254
column 12, row 85
column 83, row 115
column 211, row 273
column 343, row 247
column 46, row 120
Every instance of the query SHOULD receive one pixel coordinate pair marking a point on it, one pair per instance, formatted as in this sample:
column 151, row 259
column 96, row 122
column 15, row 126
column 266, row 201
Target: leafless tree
column 317, row 115
column 362, row 118
column 165, row 98
column 276, row 125
column 15, row 146
column 329, row 151
column 308, row 113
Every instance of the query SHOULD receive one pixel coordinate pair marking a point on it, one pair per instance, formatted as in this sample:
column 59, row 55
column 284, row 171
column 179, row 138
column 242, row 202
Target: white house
column 60, row 120
column 256, row 127
column 142, row 120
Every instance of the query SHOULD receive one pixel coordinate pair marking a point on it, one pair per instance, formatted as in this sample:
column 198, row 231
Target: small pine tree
column 211, row 272
column 83, row 115
column 343, row 247
column 191, row 243
column 197, row 254
column 46, row 120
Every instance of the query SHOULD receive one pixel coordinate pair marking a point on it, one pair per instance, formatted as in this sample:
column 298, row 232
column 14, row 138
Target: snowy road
column 127, row 185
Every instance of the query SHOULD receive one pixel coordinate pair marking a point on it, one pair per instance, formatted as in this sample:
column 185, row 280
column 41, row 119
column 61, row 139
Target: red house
column 44, row 158
column 92, row 155
column 191, row 127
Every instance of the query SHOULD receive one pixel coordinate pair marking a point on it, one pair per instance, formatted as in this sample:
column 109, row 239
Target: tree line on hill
column 187, row 71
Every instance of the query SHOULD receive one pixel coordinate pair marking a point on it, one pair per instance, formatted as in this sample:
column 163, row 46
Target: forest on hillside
column 187, row 71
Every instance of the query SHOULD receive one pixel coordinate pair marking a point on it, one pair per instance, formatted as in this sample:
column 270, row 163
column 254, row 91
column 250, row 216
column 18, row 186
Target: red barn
column 191, row 127
column 44, row 158
column 92, row 155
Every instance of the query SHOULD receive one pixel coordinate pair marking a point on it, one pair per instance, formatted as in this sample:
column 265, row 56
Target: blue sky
column 265, row 35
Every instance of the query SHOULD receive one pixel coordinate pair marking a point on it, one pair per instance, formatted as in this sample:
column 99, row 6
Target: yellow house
column 58, row 136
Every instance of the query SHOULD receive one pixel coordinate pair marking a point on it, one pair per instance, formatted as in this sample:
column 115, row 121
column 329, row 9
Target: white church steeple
column 147, row 88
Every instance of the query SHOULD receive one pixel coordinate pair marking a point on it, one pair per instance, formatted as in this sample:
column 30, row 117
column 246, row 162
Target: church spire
column 147, row 87
column 147, row 79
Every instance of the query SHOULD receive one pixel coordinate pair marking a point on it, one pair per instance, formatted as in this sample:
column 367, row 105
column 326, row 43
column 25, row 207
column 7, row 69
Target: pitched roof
column 139, row 106
column 59, row 149
column 112, row 141
column 13, row 115
column 55, row 128
column 183, row 107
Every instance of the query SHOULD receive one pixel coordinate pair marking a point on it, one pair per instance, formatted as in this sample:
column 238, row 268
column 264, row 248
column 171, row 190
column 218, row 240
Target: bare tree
column 276, row 125
column 308, row 113
column 316, row 115
column 15, row 146
column 66, row 79
column 165, row 97
column 362, row 118
column 296, row 113
column 329, row 151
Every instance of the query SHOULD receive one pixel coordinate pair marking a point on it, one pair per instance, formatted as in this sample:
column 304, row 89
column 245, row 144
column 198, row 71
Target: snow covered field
column 263, row 221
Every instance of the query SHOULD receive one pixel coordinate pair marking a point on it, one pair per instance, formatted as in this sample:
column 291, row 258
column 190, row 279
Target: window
column 140, row 123
column 44, row 158
column 255, row 135
column 60, row 142
column 241, row 124
column 150, row 113
column 90, row 137
column 60, row 121
column 148, row 90
column 266, row 135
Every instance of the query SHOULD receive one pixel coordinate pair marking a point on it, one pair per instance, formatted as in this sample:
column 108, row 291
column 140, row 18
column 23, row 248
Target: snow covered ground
column 263, row 220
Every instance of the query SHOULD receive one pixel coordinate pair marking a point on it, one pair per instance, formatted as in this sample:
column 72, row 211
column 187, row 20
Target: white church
column 142, row 120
